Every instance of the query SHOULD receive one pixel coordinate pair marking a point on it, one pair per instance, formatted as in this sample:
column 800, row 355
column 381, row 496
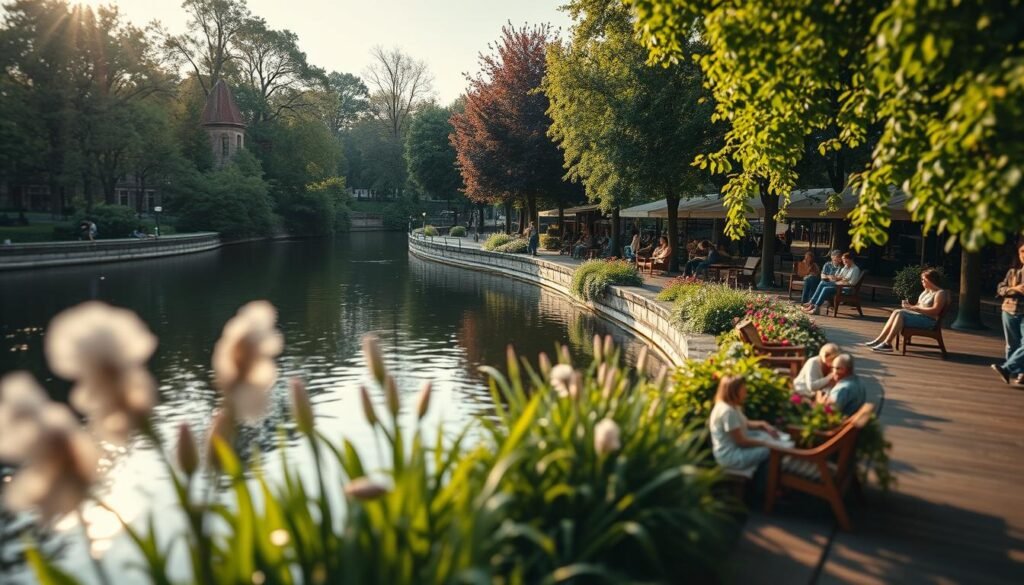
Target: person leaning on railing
column 1012, row 291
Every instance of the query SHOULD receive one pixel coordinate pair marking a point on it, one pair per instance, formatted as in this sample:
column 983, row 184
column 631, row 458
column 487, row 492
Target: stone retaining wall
column 21, row 256
column 626, row 306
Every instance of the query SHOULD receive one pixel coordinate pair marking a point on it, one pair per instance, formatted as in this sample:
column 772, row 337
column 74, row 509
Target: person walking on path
column 1012, row 291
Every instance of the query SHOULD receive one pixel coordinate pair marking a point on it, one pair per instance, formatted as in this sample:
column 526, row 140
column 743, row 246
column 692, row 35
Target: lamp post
column 157, row 211
column 424, row 223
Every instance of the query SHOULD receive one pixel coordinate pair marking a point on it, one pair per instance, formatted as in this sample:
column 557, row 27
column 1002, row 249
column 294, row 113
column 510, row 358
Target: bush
column 710, row 309
column 692, row 393
column 639, row 511
column 430, row 231
column 591, row 278
column 906, row 285
column 112, row 221
column 550, row 242
column 553, row 230
column 457, row 231
column 495, row 240
column 227, row 201
column 781, row 322
column 516, row 246
column 395, row 216
column 318, row 210
column 680, row 288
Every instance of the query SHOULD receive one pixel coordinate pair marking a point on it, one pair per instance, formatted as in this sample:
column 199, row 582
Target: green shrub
column 232, row 201
column 430, row 231
column 516, row 246
column 642, row 512
column 591, row 278
column 553, row 230
column 906, row 285
column 457, row 231
column 710, row 309
column 112, row 221
column 550, row 242
column 319, row 209
column 495, row 240
column 680, row 288
column 692, row 393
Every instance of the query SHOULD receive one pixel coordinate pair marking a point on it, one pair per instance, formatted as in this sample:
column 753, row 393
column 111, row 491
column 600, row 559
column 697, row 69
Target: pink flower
column 796, row 399
column 828, row 409
column 785, row 342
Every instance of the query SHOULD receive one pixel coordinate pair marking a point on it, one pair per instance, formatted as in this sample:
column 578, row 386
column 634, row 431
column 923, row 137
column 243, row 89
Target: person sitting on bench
column 847, row 393
column 846, row 277
column 921, row 315
column 817, row 371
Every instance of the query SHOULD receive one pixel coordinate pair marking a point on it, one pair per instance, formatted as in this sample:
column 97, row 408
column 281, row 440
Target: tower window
column 225, row 145
column 238, row 140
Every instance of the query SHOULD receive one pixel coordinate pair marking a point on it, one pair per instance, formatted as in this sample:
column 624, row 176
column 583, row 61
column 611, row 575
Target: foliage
column 457, row 231
column 430, row 155
column 514, row 246
column 638, row 508
column 232, row 201
column 940, row 81
column 812, row 419
column 112, row 221
column 495, row 240
column 319, row 209
column 781, row 322
column 348, row 99
column 500, row 139
column 396, row 215
column 906, row 285
column 679, row 288
column 691, row 394
column 710, row 309
column 550, row 242
column 591, row 278
column 430, row 231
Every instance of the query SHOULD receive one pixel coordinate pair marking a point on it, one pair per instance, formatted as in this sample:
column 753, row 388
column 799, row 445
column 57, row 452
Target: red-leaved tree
column 501, row 141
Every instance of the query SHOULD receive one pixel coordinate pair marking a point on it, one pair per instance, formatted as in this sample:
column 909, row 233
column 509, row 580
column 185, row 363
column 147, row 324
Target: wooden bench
column 935, row 332
column 825, row 471
column 849, row 295
column 744, row 275
column 796, row 279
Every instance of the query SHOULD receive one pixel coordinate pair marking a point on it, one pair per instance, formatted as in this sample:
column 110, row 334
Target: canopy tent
column 569, row 210
column 803, row 204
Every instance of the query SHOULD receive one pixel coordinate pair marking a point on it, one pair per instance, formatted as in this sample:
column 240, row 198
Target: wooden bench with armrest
column 825, row 471
column 744, row 275
column 849, row 295
column 776, row 355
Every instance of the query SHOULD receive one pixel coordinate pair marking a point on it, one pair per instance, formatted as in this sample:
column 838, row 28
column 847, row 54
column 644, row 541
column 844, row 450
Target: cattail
column 368, row 411
column 608, row 346
column 564, row 357
column 188, row 453
column 544, row 363
column 364, row 489
column 301, row 408
column 423, row 401
column 641, row 361
column 598, row 346
column 374, row 359
column 391, row 395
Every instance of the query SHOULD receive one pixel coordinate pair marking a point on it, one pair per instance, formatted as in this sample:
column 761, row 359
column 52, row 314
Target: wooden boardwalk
column 956, row 514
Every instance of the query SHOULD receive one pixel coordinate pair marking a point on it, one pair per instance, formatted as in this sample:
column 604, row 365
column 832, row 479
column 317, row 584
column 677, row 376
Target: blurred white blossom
column 104, row 350
column 21, row 404
column 606, row 437
column 561, row 378
column 243, row 358
column 365, row 489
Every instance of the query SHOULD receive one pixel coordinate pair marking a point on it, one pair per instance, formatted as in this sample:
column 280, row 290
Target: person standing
column 534, row 239
column 1012, row 291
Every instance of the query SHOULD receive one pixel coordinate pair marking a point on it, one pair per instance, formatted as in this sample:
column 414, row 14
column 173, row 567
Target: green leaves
column 592, row 278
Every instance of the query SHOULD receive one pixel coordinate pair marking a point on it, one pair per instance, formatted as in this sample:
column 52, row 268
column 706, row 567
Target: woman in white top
column 816, row 373
column 736, row 442
column 921, row 315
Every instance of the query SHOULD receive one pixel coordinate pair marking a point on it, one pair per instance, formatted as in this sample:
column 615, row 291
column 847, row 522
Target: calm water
column 436, row 323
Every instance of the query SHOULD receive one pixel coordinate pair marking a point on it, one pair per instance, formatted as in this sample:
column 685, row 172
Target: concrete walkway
column 956, row 514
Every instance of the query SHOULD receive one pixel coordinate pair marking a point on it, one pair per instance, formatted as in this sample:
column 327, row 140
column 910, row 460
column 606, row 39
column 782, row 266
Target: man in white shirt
column 817, row 371
column 848, row 276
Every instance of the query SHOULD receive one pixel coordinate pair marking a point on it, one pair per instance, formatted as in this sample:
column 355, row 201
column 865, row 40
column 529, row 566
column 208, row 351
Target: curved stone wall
column 20, row 256
column 631, row 308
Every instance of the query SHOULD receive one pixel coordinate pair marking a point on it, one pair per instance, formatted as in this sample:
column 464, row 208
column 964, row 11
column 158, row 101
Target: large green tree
column 430, row 155
column 629, row 130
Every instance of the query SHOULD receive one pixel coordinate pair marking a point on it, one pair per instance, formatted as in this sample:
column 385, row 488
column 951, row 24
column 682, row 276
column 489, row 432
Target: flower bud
column 606, row 437
column 391, row 395
column 564, row 357
column 641, row 361
column 368, row 411
column 188, row 453
column 608, row 346
column 544, row 362
column 302, row 410
column 364, row 489
column 561, row 378
column 598, row 346
column 423, row 401
column 610, row 377
column 374, row 359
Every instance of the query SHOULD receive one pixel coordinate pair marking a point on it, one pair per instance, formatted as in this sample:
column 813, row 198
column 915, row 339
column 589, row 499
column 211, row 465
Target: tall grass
column 592, row 278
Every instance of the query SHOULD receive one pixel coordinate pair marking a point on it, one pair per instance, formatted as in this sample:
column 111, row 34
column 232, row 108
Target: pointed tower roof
column 221, row 109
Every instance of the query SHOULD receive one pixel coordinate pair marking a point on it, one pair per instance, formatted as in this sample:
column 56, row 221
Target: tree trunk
column 616, row 230
column 672, row 201
column 968, row 315
column 508, row 216
column 532, row 211
column 480, row 220
column 771, row 207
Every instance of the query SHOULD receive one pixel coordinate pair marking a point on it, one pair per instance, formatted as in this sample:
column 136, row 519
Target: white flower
column 104, row 350
column 606, row 437
column 243, row 358
column 21, row 403
column 561, row 379
column 60, row 470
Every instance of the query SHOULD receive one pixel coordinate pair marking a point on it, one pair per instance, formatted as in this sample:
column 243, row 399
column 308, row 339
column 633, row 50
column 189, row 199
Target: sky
column 337, row 34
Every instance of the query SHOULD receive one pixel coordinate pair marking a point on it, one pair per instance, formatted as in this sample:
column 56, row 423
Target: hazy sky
column 338, row 34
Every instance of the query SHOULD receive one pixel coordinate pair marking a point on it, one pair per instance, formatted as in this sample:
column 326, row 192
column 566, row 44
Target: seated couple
column 742, row 445
column 829, row 378
column 845, row 277
column 920, row 315
column 707, row 255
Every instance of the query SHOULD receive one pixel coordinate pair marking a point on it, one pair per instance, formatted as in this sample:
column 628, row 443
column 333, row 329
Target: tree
column 348, row 99
column 398, row 84
column 275, row 70
column 629, row 130
column 430, row 156
column 206, row 46
column 501, row 141
column 232, row 201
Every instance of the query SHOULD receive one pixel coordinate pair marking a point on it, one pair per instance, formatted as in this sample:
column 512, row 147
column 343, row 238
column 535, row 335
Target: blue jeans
column 693, row 266
column 825, row 291
column 1013, row 329
column 534, row 242
column 811, row 282
column 627, row 252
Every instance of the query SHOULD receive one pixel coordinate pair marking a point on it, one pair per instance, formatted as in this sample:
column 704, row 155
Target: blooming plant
column 783, row 323
column 813, row 420
column 680, row 288
column 551, row 241
column 581, row 474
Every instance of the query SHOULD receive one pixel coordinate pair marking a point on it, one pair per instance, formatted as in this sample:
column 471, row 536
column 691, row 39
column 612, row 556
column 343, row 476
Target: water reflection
column 435, row 322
